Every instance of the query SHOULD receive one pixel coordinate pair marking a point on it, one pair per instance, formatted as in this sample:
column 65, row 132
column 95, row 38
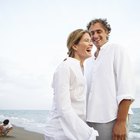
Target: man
column 110, row 85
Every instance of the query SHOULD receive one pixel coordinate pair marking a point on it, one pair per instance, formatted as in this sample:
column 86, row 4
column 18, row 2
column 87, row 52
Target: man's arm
column 119, row 129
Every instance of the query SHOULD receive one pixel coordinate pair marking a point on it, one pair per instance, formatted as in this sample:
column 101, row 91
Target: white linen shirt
column 68, row 115
column 109, row 81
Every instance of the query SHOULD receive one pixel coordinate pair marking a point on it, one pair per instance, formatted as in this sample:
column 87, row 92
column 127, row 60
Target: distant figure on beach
column 5, row 127
column 67, row 120
column 110, row 85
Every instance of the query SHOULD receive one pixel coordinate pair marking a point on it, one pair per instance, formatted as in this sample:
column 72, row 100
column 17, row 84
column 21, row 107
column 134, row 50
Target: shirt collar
column 73, row 60
column 76, row 63
column 104, row 46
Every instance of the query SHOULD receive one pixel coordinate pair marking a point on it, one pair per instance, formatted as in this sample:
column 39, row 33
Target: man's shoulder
column 115, row 45
column 117, row 48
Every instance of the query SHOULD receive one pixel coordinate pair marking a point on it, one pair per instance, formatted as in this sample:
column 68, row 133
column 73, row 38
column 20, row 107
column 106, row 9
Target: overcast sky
column 33, row 37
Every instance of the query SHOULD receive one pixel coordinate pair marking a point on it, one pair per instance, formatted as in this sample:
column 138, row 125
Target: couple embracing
column 92, row 98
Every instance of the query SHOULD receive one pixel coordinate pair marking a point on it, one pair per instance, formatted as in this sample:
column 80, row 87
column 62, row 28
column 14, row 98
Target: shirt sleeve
column 73, row 126
column 124, row 75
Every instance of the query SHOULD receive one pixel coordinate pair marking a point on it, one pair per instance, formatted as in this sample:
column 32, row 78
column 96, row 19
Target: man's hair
column 103, row 22
column 5, row 122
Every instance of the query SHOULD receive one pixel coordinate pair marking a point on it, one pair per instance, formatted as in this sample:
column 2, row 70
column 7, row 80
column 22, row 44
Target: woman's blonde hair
column 73, row 39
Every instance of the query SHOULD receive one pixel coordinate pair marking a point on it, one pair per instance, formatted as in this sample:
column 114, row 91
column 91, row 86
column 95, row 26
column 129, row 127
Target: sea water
column 134, row 128
column 32, row 120
column 35, row 120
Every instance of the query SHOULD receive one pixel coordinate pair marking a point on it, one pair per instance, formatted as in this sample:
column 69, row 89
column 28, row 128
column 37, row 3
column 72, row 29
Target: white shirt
column 8, row 126
column 5, row 127
column 68, row 115
column 110, row 80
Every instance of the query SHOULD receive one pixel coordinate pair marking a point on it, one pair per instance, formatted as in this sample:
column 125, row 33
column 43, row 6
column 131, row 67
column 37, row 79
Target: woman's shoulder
column 67, row 65
column 62, row 67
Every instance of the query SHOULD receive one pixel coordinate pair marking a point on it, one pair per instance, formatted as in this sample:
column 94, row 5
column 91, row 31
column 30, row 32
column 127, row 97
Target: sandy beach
column 19, row 133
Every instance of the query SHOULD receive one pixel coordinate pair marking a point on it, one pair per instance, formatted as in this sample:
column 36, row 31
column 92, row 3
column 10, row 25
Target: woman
column 68, row 116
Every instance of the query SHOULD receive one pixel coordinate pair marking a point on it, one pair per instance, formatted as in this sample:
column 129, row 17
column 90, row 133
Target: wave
column 134, row 136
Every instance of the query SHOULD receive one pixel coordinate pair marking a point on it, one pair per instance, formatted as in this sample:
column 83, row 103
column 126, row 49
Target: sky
column 33, row 36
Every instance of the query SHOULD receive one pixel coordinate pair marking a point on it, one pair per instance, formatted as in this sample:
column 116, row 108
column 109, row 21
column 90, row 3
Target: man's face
column 98, row 34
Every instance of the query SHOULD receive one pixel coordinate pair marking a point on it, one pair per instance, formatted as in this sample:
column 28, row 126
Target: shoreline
column 19, row 133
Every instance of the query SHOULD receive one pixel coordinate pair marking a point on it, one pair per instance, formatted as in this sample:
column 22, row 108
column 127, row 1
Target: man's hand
column 119, row 130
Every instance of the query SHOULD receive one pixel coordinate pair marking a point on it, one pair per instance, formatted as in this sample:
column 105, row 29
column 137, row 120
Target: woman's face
column 83, row 48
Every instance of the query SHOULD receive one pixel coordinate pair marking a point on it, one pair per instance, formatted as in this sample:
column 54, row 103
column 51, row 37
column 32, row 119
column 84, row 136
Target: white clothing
column 68, row 115
column 109, row 81
column 5, row 128
column 8, row 126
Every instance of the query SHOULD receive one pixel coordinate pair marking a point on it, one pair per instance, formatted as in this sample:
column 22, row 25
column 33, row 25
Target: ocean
column 35, row 120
